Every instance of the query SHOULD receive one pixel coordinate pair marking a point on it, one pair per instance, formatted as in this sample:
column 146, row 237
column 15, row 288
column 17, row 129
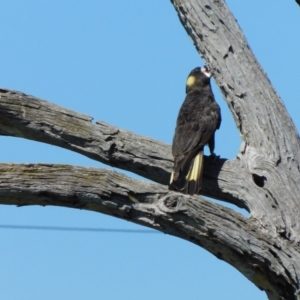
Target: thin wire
column 82, row 229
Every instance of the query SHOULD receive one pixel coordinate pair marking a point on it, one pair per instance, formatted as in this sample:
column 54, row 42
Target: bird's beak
column 206, row 71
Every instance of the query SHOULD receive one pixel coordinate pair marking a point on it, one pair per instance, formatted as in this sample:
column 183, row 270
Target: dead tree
column 264, row 178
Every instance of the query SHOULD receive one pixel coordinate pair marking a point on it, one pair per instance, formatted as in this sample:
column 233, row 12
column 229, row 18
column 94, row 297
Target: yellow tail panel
column 195, row 171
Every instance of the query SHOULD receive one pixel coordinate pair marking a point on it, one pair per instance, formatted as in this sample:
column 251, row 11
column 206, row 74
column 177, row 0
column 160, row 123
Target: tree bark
column 262, row 179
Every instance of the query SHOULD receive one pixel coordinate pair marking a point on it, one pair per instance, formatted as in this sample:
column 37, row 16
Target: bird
column 198, row 119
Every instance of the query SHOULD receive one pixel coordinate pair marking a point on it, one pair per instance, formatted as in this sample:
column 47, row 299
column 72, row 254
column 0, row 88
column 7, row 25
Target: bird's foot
column 213, row 157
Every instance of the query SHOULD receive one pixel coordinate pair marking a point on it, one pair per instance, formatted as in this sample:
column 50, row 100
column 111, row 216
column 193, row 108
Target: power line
column 82, row 229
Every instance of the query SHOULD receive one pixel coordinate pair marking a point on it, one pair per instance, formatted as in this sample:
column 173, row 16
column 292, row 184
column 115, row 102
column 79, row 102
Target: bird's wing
column 196, row 123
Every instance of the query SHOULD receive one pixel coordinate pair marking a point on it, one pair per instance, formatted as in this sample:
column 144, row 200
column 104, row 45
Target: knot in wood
column 171, row 203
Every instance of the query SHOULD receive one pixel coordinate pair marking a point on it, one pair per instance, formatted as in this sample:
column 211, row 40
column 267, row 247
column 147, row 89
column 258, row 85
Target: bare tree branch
column 271, row 146
column 270, row 151
column 244, row 84
column 28, row 117
column 225, row 233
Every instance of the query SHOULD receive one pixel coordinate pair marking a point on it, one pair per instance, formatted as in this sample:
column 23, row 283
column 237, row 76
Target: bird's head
column 199, row 77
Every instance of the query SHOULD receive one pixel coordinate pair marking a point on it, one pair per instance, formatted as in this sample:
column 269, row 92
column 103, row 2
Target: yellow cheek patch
column 191, row 80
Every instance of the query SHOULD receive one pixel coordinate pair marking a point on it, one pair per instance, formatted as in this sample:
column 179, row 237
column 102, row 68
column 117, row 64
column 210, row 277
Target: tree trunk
column 262, row 179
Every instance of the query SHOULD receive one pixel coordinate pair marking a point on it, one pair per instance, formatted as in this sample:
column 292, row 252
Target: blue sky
column 123, row 62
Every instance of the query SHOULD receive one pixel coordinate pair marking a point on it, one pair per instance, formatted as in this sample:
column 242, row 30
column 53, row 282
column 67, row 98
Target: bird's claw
column 213, row 157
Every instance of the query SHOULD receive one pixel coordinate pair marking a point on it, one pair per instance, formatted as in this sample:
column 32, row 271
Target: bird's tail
column 189, row 182
column 194, row 176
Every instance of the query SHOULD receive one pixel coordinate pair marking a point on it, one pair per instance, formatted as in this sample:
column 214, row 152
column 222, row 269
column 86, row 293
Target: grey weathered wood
column 28, row 117
column 270, row 153
column 225, row 233
column 244, row 84
column 264, row 178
